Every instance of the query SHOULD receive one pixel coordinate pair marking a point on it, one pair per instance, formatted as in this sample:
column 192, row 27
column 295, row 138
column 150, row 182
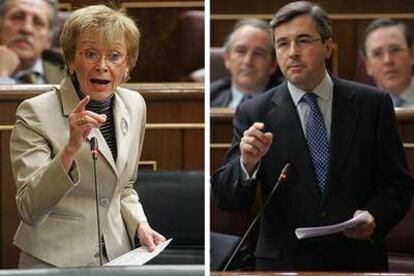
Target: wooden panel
column 331, row 6
column 166, row 102
column 9, row 218
column 193, row 141
column 349, row 21
column 158, row 22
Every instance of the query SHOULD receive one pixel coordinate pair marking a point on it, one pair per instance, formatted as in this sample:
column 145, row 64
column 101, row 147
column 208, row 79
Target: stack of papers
column 309, row 232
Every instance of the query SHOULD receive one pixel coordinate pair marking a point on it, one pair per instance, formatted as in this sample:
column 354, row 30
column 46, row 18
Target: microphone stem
column 239, row 245
column 97, row 210
column 282, row 178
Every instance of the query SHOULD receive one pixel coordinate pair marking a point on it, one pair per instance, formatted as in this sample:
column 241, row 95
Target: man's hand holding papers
column 361, row 226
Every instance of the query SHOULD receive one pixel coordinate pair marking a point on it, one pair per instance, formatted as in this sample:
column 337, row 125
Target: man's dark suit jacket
column 368, row 171
column 220, row 90
column 53, row 65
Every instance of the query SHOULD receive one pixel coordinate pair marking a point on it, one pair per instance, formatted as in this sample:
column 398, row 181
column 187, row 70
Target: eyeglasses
column 378, row 54
column 302, row 42
column 113, row 57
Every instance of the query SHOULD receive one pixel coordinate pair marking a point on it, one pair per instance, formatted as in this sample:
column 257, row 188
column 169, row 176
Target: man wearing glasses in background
column 346, row 157
column 388, row 53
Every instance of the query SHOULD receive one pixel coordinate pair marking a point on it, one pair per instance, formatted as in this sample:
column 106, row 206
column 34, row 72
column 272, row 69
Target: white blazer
column 58, row 209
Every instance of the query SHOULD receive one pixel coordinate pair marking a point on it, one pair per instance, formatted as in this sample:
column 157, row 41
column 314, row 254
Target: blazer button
column 104, row 202
column 322, row 214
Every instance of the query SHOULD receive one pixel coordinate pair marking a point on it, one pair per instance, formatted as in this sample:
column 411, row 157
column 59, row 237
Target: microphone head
column 284, row 174
column 94, row 144
column 94, row 147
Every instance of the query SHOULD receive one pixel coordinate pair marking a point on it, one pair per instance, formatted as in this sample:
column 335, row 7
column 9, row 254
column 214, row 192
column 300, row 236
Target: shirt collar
column 36, row 68
column 237, row 94
column 408, row 94
column 324, row 90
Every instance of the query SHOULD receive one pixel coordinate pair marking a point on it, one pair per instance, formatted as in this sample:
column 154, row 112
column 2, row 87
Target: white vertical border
column 207, row 137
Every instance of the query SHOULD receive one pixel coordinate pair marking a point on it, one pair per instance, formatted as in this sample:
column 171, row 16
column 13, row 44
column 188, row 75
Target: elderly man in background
column 249, row 56
column 26, row 31
column 388, row 52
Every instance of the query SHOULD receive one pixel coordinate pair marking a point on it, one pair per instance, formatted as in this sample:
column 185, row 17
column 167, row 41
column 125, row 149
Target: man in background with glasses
column 388, row 53
column 26, row 31
column 345, row 156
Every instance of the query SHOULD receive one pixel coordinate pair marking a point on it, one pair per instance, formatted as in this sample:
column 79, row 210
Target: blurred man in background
column 250, row 59
column 388, row 52
column 26, row 31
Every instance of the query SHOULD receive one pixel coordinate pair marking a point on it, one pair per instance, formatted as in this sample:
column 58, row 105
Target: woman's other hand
column 148, row 237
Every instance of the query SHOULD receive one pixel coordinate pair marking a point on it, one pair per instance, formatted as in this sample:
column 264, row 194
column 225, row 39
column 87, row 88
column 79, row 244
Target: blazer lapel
column 284, row 122
column 69, row 100
column 345, row 112
column 122, row 128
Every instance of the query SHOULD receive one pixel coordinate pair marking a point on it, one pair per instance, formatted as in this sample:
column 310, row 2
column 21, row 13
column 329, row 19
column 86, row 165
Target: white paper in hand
column 310, row 232
column 138, row 256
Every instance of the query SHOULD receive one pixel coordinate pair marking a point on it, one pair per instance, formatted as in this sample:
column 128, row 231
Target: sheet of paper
column 138, row 256
column 309, row 232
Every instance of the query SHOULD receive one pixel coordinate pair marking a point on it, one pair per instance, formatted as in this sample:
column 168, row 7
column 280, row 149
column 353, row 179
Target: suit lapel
column 122, row 125
column 52, row 72
column 345, row 112
column 69, row 99
column 284, row 122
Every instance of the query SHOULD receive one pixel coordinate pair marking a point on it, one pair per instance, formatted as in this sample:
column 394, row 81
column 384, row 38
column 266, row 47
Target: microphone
column 282, row 178
column 94, row 147
column 94, row 151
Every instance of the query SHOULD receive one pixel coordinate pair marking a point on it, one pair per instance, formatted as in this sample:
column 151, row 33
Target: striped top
column 107, row 129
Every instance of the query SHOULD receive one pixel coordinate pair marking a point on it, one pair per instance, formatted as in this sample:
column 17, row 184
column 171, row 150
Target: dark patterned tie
column 246, row 98
column 317, row 139
column 29, row 78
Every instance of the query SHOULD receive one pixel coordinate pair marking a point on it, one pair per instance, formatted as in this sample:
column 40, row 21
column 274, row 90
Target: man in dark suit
column 26, row 31
column 250, row 59
column 346, row 157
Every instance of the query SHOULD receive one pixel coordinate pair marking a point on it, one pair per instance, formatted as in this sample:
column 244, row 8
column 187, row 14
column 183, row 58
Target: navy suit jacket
column 367, row 170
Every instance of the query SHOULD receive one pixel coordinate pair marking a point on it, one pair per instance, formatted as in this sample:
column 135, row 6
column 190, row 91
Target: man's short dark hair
column 253, row 22
column 386, row 22
column 295, row 9
column 52, row 13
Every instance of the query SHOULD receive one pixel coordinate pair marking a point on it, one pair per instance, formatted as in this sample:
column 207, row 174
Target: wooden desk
column 166, row 102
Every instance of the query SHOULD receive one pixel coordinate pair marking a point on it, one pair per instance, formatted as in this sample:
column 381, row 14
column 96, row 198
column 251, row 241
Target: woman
column 50, row 150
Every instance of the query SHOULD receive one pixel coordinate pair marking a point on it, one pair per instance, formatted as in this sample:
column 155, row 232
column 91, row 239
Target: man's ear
column 274, row 66
column 412, row 55
column 226, row 57
column 367, row 64
column 329, row 45
column 49, row 43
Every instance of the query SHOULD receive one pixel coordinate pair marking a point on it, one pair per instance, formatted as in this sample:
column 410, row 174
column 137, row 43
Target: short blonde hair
column 107, row 24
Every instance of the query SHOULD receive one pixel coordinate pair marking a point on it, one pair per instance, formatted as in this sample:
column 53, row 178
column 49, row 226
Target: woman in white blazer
column 50, row 150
